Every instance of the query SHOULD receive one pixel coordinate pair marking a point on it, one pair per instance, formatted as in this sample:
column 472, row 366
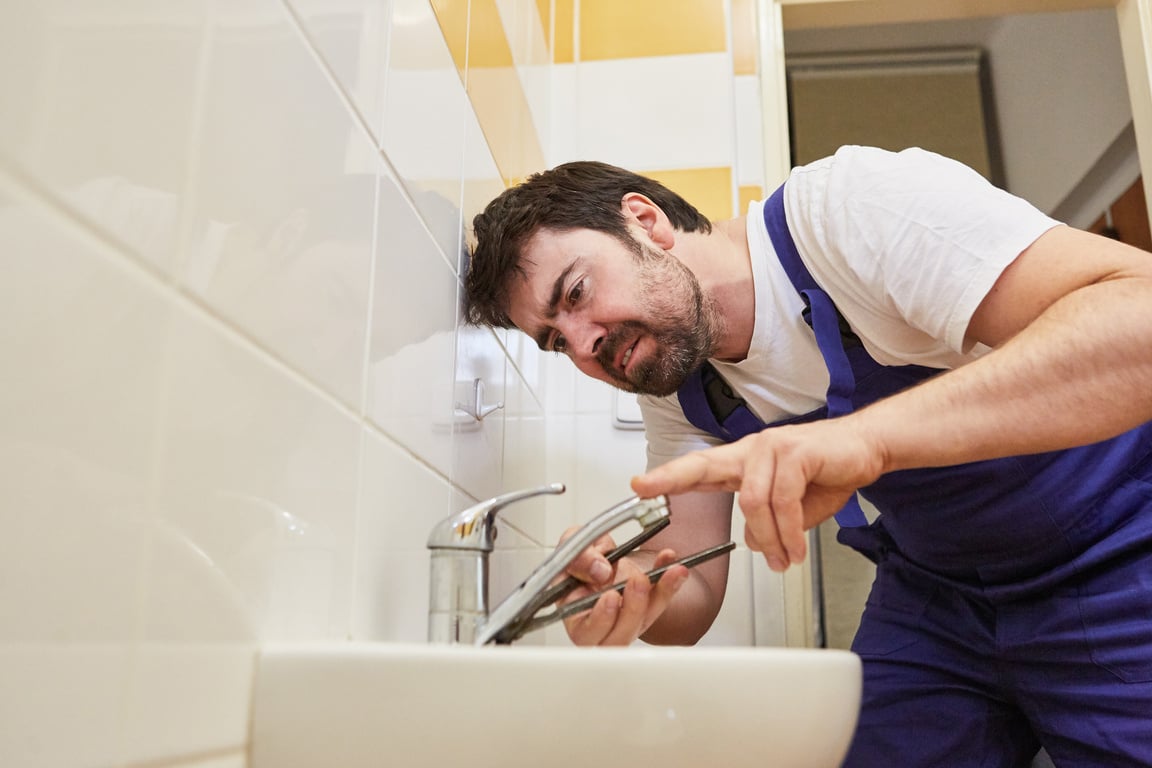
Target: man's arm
column 1071, row 323
column 678, row 609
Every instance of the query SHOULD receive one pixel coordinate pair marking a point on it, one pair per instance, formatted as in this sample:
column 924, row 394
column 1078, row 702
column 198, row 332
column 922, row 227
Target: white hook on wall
column 476, row 408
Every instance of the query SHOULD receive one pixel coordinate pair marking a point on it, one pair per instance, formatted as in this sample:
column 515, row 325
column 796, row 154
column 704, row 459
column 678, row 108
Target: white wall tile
column 410, row 380
column 423, row 133
column 79, row 403
column 281, row 230
column 528, row 43
column 482, row 179
column 401, row 500
column 351, row 36
column 664, row 129
column 260, row 483
column 749, row 134
column 525, row 458
column 478, row 445
column 100, row 107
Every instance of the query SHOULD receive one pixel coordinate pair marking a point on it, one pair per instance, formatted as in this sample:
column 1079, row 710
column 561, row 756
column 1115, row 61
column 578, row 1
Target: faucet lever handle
column 474, row 528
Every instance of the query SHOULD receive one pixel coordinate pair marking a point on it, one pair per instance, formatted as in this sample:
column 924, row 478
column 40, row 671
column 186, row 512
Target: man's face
column 639, row 323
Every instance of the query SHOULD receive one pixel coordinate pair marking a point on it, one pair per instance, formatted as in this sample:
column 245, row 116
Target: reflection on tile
column 400, row 502
column 352, row 39
column 526, row 25
column 100, row 108
column 509, row 127
column 259, row 480
column 281, row 229
column 412, row 336
column 525, row 458
column 482, row 181
column 79, row 399
column 424, row 121
column 478, row 448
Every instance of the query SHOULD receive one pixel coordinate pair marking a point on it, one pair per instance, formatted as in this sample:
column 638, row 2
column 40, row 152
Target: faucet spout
column 525, row 599
column 458, row 598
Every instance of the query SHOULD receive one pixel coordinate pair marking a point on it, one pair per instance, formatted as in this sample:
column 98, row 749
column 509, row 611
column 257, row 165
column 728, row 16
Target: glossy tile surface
column 478, row 447
column 101, row 107
column 401, row 500
column 411, row 384
column 78, row 405
column 280, row 227
column 351, row 37
column 424, row 125
column 260, row 490
column 694, row 133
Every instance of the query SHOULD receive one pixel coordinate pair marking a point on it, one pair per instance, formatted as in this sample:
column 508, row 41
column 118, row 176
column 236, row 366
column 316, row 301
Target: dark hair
column 579, row 195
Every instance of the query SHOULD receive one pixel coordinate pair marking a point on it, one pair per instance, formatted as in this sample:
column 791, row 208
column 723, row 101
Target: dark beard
column 664, row 373
column 686, row 337
column 680, row 351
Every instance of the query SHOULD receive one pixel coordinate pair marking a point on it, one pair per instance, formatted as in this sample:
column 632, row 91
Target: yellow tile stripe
column 483, row 57
column 621, row 29
column 747, row 193
column 744, row 37
column 709, row 189
column 564, row 46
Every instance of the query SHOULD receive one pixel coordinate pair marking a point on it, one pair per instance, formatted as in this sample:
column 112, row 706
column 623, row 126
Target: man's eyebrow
column 553, row 302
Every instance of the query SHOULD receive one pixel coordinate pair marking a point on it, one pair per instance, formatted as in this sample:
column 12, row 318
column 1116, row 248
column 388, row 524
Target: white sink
column 355, row 705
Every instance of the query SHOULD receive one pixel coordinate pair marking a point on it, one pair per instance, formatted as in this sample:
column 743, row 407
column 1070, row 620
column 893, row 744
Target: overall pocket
column 1118, row 625
column 893, row 612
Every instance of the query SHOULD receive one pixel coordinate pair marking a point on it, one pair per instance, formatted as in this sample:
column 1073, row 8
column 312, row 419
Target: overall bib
column 1012, row 604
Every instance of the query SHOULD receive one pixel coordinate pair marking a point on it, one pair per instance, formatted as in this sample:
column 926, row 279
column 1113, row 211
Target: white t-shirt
column 906, row 245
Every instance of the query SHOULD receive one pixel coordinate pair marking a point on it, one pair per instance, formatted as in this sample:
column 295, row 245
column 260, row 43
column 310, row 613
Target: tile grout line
column 358, row 118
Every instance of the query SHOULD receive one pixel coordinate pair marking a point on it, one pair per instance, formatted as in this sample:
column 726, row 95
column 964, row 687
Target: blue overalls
column 1012, row 604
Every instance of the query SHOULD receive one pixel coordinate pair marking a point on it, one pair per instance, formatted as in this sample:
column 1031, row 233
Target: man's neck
column 722, row 263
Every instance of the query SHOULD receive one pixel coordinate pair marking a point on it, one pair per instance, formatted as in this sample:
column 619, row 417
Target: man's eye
column 559, row 344
column 575, row 292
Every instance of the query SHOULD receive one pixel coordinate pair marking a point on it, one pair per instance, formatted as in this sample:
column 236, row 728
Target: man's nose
column 584, row 339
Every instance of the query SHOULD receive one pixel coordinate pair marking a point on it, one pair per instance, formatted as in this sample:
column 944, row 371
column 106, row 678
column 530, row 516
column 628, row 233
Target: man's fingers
column 716, row 469
column 619, row 619
column 591, row 627
column 787, row 497
column 590, row 565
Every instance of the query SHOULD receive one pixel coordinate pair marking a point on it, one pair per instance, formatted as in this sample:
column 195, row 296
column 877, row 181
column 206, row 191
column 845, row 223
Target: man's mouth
column 626, row 357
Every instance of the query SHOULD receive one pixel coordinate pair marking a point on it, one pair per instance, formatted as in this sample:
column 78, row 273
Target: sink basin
column 357, row 705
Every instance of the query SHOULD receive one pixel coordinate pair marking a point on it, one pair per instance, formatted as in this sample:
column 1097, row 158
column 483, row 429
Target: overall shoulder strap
column 711, row 405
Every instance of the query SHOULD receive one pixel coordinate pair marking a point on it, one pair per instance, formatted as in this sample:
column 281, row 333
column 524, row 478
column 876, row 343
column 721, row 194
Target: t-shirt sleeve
column 668, row 432
column 911, row 234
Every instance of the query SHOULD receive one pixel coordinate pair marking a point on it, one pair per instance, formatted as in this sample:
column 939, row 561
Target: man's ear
column 642, row 212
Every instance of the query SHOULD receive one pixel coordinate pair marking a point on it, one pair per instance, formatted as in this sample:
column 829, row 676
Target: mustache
column 616, row 338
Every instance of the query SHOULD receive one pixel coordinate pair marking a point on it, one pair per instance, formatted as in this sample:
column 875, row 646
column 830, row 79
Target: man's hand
column 620, row 619
column 789, row 480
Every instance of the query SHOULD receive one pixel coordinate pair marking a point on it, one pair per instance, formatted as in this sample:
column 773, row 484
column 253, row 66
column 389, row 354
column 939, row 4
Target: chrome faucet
column 458, row 609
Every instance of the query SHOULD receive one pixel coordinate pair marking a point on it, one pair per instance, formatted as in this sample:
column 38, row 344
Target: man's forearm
column 688, row 617
column 1081, row 372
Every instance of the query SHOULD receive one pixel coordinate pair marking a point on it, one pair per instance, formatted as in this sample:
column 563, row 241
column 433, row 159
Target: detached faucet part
column 458, row 611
